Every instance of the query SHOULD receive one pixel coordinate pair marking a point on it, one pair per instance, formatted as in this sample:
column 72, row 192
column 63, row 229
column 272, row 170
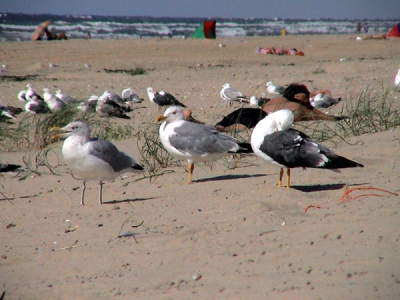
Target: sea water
column 19, row 27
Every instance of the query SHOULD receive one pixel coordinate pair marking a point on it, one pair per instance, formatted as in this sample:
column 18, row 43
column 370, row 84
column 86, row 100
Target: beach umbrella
column 40, row 30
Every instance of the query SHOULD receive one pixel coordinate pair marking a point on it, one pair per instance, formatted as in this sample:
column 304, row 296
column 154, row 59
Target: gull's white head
column 128, row 90
column 80, row 129
column 150, row 93
column 150, row 90
column 93, row 98
column 172, row 113
column 253, row 101
column 283, row 119
column 226, row 85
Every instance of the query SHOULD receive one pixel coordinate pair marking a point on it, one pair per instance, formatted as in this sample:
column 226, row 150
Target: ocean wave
column 16, row 27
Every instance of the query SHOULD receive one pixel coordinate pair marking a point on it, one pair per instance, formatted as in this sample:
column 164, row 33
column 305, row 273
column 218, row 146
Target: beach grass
column 375, row 108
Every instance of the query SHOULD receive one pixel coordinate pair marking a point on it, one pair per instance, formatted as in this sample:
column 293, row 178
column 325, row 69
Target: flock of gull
column 106, row 105
column 269, row 120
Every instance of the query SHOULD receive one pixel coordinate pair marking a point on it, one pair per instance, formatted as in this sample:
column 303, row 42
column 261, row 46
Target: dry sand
column 231, row 234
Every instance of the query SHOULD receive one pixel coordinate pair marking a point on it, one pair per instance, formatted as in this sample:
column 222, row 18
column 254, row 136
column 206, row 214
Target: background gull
column 397, row 78
column 93, row 158
column 31, row 92
column 67, row 99
column 274, row 141
column 85, row 107
column 22, row 96
column 163, row 98
column 108, row 108
column 129, row 95
column 92, row 101
column 54, row 103
column 230, row 94
column 36, row 106
column 258, row 102
column 9, row 112
column 195, row 142
column 274, row 89
column 112, row 97
column 321, row 100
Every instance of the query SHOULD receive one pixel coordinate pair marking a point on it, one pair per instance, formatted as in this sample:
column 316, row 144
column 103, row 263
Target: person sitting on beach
column 52, row 34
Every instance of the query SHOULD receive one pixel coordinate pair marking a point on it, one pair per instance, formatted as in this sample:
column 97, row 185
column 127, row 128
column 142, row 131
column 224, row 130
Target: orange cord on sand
column 346, row 196
column 310, row 206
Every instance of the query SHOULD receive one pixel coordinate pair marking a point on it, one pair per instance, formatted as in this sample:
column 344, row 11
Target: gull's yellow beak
column 160, row 118
column 55, row 129
column 56, row 136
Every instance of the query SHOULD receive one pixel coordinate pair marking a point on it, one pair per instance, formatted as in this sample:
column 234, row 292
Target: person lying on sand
column 297, row 98
column 372, row 37
column 280, row 51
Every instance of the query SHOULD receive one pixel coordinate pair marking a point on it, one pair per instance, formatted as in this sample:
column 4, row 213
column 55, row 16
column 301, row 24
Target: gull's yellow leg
column 288, row 178
column 190, row 169
column 280, row 178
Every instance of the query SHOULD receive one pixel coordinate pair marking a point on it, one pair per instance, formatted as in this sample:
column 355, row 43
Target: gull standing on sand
column 163, row 98
column 54, row 103
column 93, row 158
column 195, row 142
column 274, row 141
column 274, row 89
column 230, row 94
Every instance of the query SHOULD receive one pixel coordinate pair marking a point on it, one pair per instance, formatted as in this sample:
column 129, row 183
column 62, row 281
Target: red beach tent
column 205, row 30
column 395, row 31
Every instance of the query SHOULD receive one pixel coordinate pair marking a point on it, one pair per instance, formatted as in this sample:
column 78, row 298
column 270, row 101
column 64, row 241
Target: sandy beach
column 231, row 234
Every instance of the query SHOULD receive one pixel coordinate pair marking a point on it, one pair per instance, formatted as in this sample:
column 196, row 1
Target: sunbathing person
column 297, row 98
